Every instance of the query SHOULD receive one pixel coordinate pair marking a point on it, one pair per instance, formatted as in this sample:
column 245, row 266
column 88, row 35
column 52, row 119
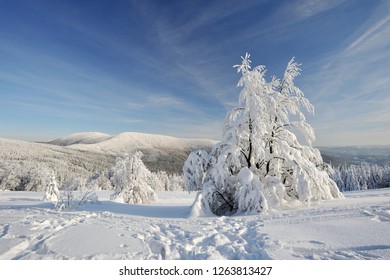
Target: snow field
column 356, row 227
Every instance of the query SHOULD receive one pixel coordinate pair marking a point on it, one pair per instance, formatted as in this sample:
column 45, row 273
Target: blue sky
column 165, row 67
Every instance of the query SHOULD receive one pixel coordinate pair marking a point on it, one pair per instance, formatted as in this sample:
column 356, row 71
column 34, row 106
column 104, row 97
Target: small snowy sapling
column 52, row 193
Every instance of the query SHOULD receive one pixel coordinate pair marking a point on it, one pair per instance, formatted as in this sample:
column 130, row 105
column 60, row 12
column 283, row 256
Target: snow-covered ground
column 357, row 227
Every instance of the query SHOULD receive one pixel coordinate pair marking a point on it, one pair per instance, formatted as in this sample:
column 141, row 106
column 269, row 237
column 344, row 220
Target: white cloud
column 304, row 9
column 134, row 105
column 349, row 88
column 162, row 101
column 376, row 36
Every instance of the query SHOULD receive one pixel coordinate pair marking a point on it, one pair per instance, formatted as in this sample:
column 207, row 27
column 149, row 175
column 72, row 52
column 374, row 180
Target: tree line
column 364, row 176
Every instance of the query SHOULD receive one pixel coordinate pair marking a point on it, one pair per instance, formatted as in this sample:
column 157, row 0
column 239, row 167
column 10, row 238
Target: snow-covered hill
column 160, row 152
column 24, row 165
column 129, row 141
column 151, row 143
column 81, row 138
column 21, row 157
column 356, row 227
column 357, row 154
column 84, row 153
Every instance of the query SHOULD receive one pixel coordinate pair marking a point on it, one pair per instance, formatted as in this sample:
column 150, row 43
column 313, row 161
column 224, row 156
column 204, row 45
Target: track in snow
column 356, row 227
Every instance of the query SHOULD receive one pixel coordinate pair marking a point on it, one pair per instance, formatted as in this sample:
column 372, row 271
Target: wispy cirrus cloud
column 303, row 9
column 154, row 66
column 375, row 37
column 350, row 87
column 161, row 100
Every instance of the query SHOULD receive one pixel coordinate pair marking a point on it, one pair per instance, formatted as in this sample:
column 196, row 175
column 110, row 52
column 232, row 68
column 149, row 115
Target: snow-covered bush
column 130, row 178
column 260, row 163
column 66, row 200
column 74, row 194
column 52, row 193
column 98, row 181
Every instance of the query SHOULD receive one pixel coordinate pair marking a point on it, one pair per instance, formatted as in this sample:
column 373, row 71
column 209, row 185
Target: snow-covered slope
column 129, row 141
column 357, row 154
column 356, row 227
column 27, row 155
column 18, row 159
column 84, row 153
column 160, row 152
column 80, row 138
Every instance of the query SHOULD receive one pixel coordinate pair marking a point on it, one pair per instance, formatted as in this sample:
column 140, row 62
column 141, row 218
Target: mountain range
column 93, row 151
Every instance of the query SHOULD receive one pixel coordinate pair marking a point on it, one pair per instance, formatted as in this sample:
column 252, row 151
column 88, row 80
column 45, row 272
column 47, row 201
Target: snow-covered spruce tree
column 260, row 163
column 52, row 193
column 194, row 170
column 130, row 179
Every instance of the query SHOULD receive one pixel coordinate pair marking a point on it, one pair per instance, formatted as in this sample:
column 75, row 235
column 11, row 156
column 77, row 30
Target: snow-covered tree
column 175, row 183
column 98, row 181
column 52, row 193
column 354, row 177
column 194, row 170
column 164, row 180
column 38, row 177
column 130, row 179
column 260, row 162
column 154, row 181
column 14, row 176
